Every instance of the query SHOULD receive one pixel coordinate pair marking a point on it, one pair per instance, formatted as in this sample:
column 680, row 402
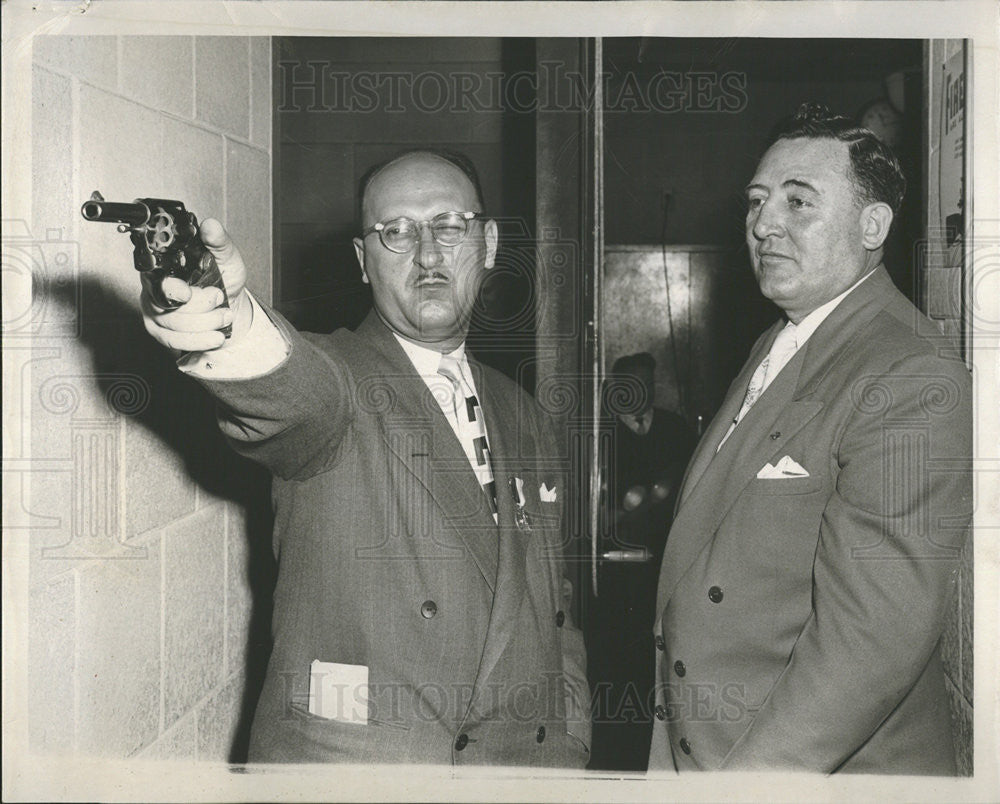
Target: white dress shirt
column 802, row 332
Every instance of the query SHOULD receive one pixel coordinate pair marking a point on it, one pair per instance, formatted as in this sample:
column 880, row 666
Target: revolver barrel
column 97, row 209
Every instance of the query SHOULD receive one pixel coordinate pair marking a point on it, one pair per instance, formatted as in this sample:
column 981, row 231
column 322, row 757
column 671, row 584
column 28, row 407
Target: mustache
column 432, row 276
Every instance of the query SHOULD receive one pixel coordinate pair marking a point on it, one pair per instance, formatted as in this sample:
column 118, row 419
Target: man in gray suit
column 807, row 573
column 421, row 612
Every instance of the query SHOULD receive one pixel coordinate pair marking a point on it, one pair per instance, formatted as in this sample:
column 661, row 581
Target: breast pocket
column 778, row 487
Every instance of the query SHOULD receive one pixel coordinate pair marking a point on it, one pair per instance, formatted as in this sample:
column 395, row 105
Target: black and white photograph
column 426, row 401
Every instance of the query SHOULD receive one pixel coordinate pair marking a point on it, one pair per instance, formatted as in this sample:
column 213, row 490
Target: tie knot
column 450, row 367
column 786, row 342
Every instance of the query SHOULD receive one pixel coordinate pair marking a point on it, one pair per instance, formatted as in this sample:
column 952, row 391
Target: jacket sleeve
column 885, row 562
column 292, row 419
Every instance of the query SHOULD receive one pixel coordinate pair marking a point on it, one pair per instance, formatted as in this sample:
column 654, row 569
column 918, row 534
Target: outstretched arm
column 283, row 402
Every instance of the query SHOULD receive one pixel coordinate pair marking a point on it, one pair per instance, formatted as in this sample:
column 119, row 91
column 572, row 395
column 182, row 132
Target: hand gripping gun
column 167, row 243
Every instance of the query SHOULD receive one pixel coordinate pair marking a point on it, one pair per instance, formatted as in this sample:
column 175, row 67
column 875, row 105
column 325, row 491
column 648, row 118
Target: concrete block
column 93, row 59
column 222, row 83
column 218, row 719
column 180, row 741
column 74, row 522
column 78, row 425
column 317, row 183
column 261, row 95
column 239, row 597
column 118, row 654
column 54, row 394
column 51, row 153
column 965, row 580
column 70, row 388
column 157, row 70
column 44, row 521
column 74, row 510
column 196, row 177
column 248, row 212
column 51, row 646
column 120, row 143
column 120, row 154
column 194, row 584
column 158, row 487
column 45, row 251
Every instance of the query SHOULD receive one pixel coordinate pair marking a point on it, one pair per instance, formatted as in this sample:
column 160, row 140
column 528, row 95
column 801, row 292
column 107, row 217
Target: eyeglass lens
column 448, row 229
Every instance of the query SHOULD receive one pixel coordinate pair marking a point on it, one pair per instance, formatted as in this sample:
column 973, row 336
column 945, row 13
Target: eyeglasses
column 401, row 234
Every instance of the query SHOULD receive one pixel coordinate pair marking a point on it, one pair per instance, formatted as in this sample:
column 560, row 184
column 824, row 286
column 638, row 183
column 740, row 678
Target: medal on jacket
column 516, row 486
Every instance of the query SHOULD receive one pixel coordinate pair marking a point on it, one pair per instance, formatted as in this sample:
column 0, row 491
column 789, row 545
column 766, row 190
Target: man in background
column 807, row 574
column 421, row 612
column 644, row 463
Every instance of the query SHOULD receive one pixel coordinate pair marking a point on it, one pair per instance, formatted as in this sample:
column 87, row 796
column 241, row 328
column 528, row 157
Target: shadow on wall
column 181, row 416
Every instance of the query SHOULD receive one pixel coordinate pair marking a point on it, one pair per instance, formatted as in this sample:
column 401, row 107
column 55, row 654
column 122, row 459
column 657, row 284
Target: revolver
column 166, row 241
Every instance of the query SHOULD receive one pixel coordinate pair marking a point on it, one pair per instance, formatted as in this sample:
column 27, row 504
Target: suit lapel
column 715, row 480
column 417, row 433
column 446, row 475
column 503, row 430
column 706, row 449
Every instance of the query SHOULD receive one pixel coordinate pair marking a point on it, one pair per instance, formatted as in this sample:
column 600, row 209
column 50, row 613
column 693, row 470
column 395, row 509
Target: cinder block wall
column 139, row 604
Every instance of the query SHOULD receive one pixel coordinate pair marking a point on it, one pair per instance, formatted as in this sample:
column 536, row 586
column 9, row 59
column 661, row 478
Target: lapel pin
column 776, row 435
column 516, row 486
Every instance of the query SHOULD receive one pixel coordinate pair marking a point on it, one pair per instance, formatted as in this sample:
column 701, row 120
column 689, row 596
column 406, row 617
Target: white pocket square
column 784, row 468
column 338, row 691
column 547, row 494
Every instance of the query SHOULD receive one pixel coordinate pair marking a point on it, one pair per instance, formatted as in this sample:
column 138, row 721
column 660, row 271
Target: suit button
column 462, row 741
column 660, row 643
column 660, row 712
column 560, row 619
column 428, row 609
column 685, row 745
column 679, row 668
column 540, row 734
column 715, row 594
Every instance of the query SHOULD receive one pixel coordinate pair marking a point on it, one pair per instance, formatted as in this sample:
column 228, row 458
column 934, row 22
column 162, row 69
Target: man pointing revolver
column 420, row 613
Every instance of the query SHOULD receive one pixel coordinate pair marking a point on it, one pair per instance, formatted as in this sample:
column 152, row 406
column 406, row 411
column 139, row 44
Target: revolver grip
column 206, row 273
column 194, row 264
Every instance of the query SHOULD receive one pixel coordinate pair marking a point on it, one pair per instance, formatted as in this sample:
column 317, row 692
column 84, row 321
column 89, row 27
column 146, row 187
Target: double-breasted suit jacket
column 798, row 618
column 390, row 559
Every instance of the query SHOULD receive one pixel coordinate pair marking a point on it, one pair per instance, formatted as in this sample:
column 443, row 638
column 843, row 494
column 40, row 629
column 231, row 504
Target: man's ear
column 492, row 239
column 359, row 250
column 876, row 219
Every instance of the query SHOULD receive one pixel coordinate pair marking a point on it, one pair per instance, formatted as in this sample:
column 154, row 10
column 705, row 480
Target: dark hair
column 629, row 388
column 877, row 175
column 639, row 362
column 459, row 160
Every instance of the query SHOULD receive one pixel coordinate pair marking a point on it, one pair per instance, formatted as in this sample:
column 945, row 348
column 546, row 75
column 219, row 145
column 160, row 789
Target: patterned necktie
column 784, row 346
column 471, row 428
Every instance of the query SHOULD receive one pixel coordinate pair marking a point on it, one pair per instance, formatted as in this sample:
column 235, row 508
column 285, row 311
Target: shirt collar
column 425, row 360
column 808, row 325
